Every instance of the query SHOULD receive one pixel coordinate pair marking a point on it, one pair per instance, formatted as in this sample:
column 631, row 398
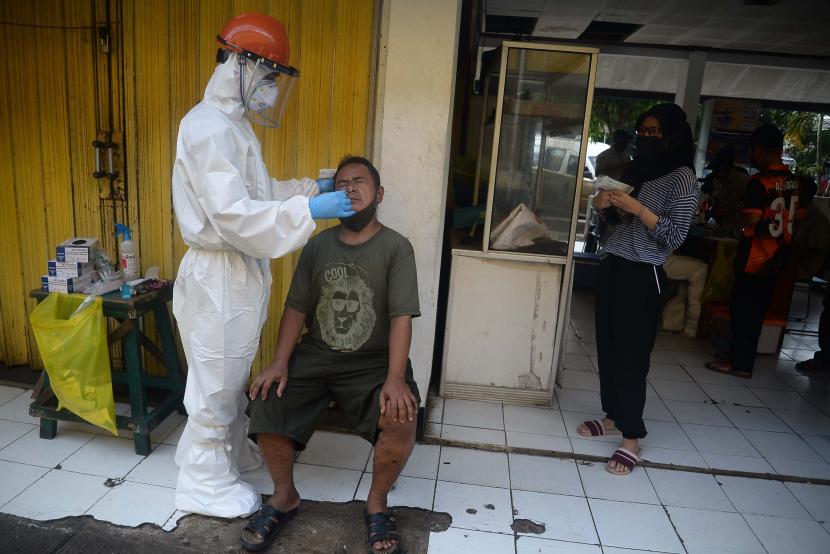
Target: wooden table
column 129, row 312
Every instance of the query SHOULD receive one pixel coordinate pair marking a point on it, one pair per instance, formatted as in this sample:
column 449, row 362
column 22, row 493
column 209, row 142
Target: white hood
column 222, row 90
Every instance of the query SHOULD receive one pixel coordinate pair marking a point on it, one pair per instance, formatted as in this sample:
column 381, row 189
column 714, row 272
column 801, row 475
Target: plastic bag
column 76, row 356
column 719, row 281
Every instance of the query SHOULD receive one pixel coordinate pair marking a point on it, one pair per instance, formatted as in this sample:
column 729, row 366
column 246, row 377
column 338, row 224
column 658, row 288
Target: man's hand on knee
column 397, row 400
column 275, row 373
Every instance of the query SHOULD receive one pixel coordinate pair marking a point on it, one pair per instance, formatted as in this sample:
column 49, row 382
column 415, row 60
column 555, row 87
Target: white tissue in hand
column 607, row 183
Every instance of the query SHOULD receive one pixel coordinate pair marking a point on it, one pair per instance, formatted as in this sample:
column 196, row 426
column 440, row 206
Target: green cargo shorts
column 311, row 386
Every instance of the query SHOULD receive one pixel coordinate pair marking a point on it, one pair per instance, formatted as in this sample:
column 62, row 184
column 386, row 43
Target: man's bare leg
column 278, row 452
column 392, row 450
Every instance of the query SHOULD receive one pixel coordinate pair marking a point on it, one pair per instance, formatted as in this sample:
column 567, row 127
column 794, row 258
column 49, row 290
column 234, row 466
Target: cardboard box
column 71, row 284
column 78, row 250
column 65, row 270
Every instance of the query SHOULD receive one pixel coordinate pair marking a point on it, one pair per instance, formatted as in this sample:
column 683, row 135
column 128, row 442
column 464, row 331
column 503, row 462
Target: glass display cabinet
column 510, row 293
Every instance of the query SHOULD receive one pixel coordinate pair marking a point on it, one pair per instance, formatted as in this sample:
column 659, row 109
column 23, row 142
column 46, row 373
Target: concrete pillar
column 413, row 128
column 689, row 86
column 703, row 137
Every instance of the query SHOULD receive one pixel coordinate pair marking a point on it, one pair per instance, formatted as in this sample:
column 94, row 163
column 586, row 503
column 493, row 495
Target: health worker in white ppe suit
column 234, row 218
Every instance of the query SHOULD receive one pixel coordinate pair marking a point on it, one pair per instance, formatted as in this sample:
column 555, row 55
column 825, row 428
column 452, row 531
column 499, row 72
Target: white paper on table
column 607, row 183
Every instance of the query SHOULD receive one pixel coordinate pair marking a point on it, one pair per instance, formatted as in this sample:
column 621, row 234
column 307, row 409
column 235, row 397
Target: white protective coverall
column 234, row 219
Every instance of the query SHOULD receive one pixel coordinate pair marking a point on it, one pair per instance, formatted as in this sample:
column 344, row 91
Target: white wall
column 413, row 125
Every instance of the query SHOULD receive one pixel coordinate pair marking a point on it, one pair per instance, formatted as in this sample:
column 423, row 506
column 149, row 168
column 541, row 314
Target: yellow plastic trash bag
column 719, row 281
column 76, row 356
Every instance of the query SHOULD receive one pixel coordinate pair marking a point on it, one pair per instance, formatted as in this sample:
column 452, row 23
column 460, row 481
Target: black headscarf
column 656, row 156
column 674, row 149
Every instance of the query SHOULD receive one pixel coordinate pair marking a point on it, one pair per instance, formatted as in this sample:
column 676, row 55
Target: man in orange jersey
column 774, row 203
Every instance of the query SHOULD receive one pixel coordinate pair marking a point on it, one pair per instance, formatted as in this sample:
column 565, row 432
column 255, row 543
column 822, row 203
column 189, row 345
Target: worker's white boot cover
column 209, row 482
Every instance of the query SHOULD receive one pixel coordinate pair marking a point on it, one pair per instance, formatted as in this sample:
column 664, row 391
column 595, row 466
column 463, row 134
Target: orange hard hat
column 256, row 35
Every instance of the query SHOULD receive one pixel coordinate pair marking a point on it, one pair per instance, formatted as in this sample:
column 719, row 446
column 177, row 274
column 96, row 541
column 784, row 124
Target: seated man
column 687, row 303
column 727, row 184
column 355, row 289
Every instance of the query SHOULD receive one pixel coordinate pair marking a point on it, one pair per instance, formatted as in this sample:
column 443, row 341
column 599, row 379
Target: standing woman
column 631, row 279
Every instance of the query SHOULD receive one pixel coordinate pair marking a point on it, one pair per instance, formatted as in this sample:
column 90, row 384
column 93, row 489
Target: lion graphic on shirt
column 345, row 312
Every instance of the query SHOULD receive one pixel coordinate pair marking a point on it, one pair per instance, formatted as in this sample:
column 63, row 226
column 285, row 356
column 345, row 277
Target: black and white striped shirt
column 673, row 197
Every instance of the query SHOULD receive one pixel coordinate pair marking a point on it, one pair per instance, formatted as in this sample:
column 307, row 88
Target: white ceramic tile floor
column 547, row 475
column 719, row 440
column 539, row 421
column 468, row 413
column 615, row 522
column 784, row 446
column 9, row 393
column 760, row 497
column 754, row 419
column 533, row 545
column 800, row 469
column 678, row 390
column 705, row 532
column 699, row 413
column 815, row 498
column 159, row 468
column 666, row 434
column 10, row 431
column 674, row 457
column 408, row 491
column 475, row 507
column 31, row 449
column 731, row 394
column 455, row 540
column 540, row 442
column 17, row 478
column 58, row 494
column 565, row 518
column 474, row 467
column 472, row 435
column 752, row 464
column 689, row 490
column 578, row 400
column 327, row 484
column 820, row 444
column 104, row 456
column 336, row 450
column 17, row 409
column 132, row 504
column 787, row 536
column 807, row 423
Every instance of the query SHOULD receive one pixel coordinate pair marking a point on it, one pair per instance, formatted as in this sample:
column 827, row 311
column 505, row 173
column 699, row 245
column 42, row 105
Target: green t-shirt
column 349, row 293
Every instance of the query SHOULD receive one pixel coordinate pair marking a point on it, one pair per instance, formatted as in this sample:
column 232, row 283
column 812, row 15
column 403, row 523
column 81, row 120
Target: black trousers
column 751, row 297
column 821, row 359
column 627, row 310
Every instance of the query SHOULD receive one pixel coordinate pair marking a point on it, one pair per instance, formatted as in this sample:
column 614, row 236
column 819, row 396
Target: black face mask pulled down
column 361, row 219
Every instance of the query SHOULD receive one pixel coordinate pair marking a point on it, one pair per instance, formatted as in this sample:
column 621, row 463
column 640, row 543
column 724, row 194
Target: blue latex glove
column 331, row 205
column 325, row 185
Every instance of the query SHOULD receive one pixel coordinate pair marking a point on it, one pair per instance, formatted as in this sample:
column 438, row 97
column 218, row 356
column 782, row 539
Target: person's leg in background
column 751, row 297
column 638, row 292
column 821, row 359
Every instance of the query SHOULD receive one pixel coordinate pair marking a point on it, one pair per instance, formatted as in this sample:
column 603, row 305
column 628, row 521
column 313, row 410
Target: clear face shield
column 265, row 89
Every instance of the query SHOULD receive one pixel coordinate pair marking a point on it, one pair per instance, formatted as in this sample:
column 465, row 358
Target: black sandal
column 381, row 527
column 265, row 524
